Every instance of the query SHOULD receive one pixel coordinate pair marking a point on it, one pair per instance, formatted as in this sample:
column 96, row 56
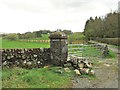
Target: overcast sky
column 32, row 15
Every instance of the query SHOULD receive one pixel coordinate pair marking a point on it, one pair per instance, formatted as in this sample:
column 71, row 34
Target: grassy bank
column 36, row 78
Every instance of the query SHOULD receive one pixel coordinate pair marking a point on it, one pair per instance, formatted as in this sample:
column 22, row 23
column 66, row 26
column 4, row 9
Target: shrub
column 12, row 36
column 113, row 41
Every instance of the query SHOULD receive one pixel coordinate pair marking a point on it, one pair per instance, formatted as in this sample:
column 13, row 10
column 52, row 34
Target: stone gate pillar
column 59, row 48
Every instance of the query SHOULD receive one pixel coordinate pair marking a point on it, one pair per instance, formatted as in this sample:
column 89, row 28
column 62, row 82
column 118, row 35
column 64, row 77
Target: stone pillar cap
column 58, row 35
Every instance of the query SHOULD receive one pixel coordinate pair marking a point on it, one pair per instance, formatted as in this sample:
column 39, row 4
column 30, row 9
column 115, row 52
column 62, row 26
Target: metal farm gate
column 76, row 47
column 75, row 50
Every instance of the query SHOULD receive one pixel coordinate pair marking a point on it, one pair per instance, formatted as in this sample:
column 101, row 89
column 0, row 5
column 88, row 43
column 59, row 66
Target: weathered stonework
column 59, row 48
column 30, row 58
column 103, row 48
column 38, row 57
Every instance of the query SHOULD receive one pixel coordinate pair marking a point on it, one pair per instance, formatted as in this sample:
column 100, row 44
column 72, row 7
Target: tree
column 12, row 36
column 106, row 27
column 67, row 32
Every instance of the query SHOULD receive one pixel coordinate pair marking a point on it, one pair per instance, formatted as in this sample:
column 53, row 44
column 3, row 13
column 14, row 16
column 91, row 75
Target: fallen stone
column 81, row 65
column 84, row 70
column 67, row 65
column 77, row 72
column 88, row 65
column 92, row 72
column 66, row 69
column 107, row 65
column 74, row 60
column 45, row 66
column 59, row 71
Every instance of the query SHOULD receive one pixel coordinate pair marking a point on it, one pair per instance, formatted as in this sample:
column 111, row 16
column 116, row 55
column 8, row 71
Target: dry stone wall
column 103, row 48
column 36, row 57
column 28, row 58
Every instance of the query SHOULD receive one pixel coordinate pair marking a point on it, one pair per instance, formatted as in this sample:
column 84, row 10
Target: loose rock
column 67, row 69
column 84, row 70
column 77, row 72
column 92, row 72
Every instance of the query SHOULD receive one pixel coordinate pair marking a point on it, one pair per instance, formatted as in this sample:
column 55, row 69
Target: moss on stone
column 58, row 35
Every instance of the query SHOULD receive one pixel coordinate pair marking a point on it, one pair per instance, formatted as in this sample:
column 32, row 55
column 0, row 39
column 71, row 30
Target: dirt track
column 116, row 50
column 106, row 74
column 106, row 77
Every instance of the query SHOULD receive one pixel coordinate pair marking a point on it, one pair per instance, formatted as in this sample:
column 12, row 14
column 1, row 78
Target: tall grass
column 111, row 54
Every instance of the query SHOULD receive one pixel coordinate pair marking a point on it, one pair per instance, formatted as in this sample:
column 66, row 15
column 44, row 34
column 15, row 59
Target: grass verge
column 35, row 78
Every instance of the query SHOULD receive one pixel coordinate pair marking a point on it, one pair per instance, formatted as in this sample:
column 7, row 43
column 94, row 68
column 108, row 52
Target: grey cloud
column 36, row 5
column 119, row 6
column 26, row 5
column 64, row 4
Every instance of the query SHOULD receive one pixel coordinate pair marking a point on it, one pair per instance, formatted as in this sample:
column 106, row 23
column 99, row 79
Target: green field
column 19, row 44
column 0, row 42
column 44, row 37
column 36, row 78
column 76, row 37
column 88, row 51
column 5, row 43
